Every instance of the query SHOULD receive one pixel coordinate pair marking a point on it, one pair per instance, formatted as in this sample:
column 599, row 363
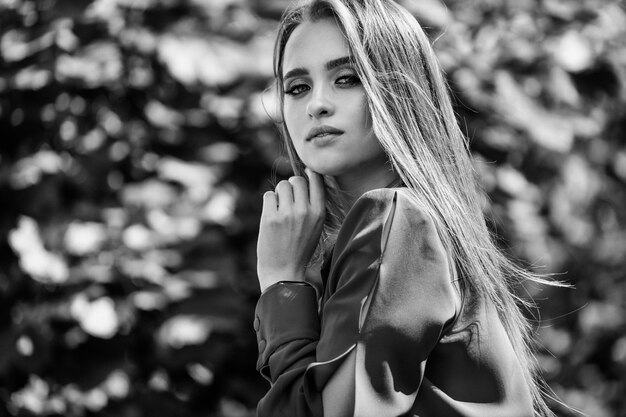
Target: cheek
column 371, row 145
column 361, row 111
column 292, row 121
column 293, row 136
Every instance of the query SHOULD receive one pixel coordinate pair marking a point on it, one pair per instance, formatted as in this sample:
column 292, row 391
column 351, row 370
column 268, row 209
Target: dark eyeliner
column 291, row 89
column 350, row 79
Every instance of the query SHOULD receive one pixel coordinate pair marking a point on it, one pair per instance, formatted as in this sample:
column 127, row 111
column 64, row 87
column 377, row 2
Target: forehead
column 313, row 44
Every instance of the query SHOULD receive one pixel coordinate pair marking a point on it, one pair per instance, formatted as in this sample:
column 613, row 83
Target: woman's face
column 325, row 107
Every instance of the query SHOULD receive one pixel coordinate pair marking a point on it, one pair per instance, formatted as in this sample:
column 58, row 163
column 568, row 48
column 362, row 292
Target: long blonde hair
column 413, row 119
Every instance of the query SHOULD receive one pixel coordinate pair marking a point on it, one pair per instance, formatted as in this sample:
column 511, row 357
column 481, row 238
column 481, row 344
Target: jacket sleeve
column 387, row 299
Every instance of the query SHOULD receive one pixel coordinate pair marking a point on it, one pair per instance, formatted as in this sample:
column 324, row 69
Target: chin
column 325, row 168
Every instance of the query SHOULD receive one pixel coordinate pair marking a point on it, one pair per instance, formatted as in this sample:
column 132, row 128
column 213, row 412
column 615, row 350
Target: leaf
column 599, row 316
column 98, row 317
column 95, row 65
column 220, row 153
column 199, row 179
column 32, row 78
column 221, row 206
column 183, row 330
column 572, row 51
column 151, row 193
column 211, row 62
column 546, row 128
column 29, row 171
column 35, row 260
column 16, row 46
column 138, row 237
column 162, row 116
column 84, row 238
column 429, row 12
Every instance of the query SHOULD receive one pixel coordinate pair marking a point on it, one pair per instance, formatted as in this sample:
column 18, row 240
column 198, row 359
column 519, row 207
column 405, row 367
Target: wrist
column 286, row 284
column 267, row 279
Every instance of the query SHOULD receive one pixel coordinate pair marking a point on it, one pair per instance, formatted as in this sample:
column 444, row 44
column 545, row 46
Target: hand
column 291, row 224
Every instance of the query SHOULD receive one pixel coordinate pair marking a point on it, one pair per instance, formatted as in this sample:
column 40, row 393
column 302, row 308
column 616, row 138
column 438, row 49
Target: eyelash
column 351, row 80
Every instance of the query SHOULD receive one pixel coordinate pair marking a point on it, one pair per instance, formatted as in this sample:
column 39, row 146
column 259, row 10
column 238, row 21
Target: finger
column 300, row 191
column 270, row 202
column 285, row 195
column 316, row 188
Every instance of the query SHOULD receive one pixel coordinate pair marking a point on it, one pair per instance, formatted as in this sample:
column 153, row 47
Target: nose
column 320, row 104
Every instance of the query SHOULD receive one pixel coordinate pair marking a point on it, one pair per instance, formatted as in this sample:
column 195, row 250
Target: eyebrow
column 330, row 65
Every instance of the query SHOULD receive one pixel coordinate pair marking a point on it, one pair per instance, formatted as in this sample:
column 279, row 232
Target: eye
column 348, row 80
column 296, row 89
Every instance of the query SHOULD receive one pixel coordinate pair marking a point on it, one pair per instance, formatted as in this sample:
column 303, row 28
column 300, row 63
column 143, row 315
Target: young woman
column 414, row 315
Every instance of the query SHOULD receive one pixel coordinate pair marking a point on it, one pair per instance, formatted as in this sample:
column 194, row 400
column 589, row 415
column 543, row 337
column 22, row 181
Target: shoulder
column 415, row 268
column 402, row 228
column 388, row 214
column 384, row 197
column 373, row 202
column 397, row 204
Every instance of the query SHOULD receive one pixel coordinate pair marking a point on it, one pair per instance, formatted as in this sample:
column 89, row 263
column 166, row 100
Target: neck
column 354, row 185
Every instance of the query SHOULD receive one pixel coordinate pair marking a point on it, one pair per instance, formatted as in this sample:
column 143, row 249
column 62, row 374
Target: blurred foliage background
column 136, row 144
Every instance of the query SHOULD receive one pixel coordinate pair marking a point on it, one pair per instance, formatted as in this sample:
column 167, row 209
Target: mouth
column 322, row 131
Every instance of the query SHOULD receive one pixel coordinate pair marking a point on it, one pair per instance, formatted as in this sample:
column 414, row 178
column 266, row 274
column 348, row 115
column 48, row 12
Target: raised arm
column 386, row 301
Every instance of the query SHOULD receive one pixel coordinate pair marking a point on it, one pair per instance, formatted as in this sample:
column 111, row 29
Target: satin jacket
column 390, row 303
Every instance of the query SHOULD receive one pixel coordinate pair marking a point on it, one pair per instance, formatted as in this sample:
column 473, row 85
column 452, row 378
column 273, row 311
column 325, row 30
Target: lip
column 322, row 131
